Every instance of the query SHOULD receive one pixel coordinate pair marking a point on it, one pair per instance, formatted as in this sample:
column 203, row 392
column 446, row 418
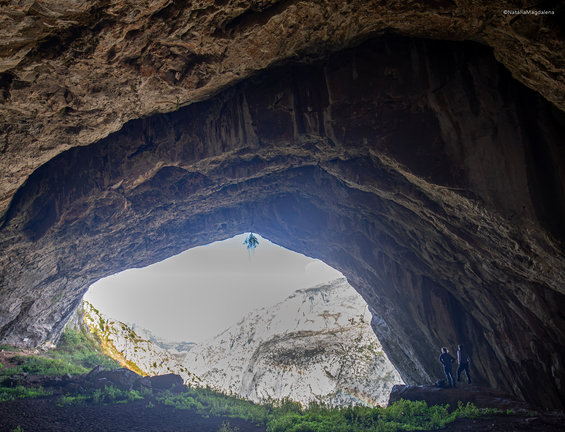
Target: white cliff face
column 317, row 345
column 138, row 354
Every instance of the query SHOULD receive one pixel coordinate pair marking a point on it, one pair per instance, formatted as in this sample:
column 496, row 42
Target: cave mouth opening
column 195, row 295
column 264, row 324
column 411, row 166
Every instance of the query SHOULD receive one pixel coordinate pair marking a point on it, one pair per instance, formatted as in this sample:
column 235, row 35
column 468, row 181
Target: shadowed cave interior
column 419, row 169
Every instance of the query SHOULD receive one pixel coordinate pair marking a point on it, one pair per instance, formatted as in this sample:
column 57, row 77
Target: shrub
column 6, row 347
column 111, row 394
column 226, row 427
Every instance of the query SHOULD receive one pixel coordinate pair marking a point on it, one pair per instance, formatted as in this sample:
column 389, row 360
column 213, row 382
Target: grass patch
column 226, row 427
column 21, row 392
column 209, row 403
column 288, row 416
column 5, row 347
column 105, row 396
column 77, row 353
column 79, row 399
column 401, row 416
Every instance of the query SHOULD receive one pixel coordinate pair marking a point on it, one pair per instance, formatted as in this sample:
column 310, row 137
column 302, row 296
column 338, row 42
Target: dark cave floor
column 44, row 415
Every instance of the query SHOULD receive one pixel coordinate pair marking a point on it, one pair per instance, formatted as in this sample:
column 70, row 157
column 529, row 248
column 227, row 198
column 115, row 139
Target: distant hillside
column 317, row 345
column 177, row 348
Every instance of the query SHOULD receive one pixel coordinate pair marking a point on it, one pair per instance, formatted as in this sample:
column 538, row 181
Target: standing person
column 447, row 360
column 463, row 359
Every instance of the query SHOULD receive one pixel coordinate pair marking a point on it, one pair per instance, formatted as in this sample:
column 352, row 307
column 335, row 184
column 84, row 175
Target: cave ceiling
column 72, row 73
column 430, row 172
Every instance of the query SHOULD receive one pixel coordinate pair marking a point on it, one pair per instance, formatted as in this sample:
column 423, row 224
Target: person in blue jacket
column 447, row 360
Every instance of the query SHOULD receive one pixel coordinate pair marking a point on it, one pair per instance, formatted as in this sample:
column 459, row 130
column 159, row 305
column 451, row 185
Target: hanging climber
column 251, row 242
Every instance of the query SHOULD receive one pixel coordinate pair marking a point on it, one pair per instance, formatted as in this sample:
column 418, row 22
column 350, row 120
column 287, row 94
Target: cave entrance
column 263, row 324
column 197, row 294
column 412, row 167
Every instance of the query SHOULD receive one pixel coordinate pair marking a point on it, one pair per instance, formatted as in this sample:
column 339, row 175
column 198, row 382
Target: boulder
column 166, row 382
column 122, row 378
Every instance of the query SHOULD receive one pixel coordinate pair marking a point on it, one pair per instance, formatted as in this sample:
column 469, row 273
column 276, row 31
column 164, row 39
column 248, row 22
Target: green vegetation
column 226, row 427
column 18, row 429
column 105, row 396
column 288, row 416
column 5, row 347
column 84, row 350
column 209, row 403
column 21, row 392
column 77, row 353
column 400, row 416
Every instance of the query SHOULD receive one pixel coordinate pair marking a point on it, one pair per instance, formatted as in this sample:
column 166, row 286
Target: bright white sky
column 199, row 293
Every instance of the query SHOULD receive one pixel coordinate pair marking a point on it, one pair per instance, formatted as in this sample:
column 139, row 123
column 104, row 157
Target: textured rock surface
column 132, row 351
column 420, row 170
column 315, row 346
column 73, row 72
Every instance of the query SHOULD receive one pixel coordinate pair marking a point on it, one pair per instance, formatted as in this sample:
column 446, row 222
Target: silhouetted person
column 463, row 359
column 447, row 360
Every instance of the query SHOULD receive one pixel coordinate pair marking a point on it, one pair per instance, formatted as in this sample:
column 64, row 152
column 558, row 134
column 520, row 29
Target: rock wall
column 419, row 169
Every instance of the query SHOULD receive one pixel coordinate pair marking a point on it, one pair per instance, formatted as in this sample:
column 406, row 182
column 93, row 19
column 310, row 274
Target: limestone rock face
column 73, row 72
column 419, row 169
column 132, row 351
column 315, row 346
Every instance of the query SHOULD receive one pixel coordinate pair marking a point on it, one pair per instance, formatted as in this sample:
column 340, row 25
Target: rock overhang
column 321, row 158
column 71, row 74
